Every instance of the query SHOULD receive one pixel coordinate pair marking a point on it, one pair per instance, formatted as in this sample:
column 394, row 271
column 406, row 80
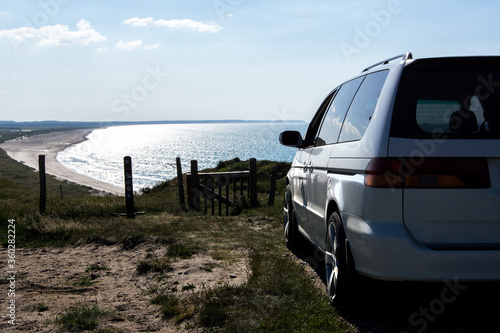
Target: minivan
column 398, row 175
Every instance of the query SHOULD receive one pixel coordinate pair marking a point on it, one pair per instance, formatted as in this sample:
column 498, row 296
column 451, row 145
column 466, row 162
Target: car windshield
column 458, row 98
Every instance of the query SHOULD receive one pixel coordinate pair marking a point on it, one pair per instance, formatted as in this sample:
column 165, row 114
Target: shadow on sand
column 447, row 306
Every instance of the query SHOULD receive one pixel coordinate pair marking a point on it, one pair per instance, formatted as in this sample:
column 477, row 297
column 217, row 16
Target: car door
column 317, row 171
column 300, row 169
column 299, row 184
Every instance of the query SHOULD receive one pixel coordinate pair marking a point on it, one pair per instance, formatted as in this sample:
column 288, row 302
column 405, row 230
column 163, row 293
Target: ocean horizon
column 155, row 147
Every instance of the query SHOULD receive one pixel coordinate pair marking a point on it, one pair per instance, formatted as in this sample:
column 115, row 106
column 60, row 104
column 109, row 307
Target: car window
column 362, row 107
column 456, row 100
column 315, row 123
column 332, row 122
column 437, row 115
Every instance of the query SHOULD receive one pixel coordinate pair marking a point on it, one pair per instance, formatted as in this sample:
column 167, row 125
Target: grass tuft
column 81, row 317
column 180, row 251
column 82, row 282
column 158, row 265
column 96, row 267
column 169, row 304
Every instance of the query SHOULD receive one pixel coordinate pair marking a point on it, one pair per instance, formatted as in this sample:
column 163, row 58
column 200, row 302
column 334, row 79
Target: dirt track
column 50, row 276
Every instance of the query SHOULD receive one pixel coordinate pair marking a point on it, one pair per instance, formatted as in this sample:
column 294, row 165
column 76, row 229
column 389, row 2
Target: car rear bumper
column 386, row 251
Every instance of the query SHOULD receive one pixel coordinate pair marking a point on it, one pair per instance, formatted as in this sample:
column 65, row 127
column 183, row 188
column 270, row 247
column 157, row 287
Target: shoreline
column 26, row 150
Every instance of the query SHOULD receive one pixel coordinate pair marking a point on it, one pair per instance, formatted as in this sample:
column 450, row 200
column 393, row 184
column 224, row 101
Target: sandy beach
column 27, row 149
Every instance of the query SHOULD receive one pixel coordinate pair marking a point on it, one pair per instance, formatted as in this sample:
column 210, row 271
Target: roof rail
column 404, row 56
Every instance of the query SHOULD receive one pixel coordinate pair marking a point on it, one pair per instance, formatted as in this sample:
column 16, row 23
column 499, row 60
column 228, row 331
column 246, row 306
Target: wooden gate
column 203, row 189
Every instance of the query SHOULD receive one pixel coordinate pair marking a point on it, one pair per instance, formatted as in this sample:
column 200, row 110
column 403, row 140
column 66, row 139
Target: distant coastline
column 54, row 124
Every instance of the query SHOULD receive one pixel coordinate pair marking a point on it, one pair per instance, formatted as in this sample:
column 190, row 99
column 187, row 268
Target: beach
column 27, row 149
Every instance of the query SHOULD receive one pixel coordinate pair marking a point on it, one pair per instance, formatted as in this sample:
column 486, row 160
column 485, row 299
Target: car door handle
column 308, row 167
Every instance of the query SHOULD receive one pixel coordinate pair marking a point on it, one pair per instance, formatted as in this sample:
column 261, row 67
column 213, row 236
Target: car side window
column 332, row 122
column 362, row 107
column 315, row 123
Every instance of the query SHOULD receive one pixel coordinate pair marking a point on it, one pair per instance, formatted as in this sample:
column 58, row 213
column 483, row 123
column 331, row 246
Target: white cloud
column 151, row 47
column 19, row 34
column 128, row 46
column 174, row 24
column 83, row 25
column 51, row 35
column 187, row 23
column 139, row 22
column 133, row 45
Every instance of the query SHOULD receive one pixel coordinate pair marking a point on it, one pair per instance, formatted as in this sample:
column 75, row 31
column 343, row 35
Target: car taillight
column 429, row 172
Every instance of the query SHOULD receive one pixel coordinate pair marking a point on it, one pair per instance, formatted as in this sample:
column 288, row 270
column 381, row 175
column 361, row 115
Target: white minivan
column 398, row 175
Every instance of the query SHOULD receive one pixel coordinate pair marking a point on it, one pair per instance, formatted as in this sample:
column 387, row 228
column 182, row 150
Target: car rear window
column 456, row 97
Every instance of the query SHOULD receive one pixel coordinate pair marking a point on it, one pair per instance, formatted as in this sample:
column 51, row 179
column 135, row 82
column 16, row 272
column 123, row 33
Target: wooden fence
column 203, row 189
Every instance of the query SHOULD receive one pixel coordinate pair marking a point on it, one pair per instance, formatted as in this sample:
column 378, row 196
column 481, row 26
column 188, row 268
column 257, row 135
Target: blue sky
column 89, row 60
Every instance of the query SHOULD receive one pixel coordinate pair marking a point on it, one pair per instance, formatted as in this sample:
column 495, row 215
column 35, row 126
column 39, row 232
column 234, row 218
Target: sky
column 124, row 60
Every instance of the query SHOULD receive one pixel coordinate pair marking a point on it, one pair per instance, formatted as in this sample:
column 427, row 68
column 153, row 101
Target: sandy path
column 47, row 276
column 27, row 149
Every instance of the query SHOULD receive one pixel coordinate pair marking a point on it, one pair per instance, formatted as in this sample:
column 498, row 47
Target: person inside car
column 463, row 120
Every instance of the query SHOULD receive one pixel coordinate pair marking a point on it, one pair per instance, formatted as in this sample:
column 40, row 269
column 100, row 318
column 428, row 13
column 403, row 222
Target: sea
column 154, row 149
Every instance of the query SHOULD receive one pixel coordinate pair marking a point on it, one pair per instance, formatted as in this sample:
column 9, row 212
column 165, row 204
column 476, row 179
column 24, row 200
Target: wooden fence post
column 253, row 182
column 272, row 189
column 194, row 201
column 43, row 184
column 129, row 190
column 180, row 183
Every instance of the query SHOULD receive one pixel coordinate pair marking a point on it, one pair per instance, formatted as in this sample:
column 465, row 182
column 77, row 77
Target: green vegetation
column 96, row 267
column 180, row 251
column 169, row 304
column 81, row 317
column 158, row 265
column 277, row 297
column 82, row 282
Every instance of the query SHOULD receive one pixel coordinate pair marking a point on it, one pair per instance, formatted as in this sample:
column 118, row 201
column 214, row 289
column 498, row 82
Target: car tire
column 340, row 275
column 292, row 237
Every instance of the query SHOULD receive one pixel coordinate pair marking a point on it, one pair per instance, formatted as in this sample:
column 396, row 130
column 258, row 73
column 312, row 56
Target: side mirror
column 291, row 139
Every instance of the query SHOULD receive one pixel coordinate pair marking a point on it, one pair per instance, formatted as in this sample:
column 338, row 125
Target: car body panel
column 317, row 193
column 452, row 216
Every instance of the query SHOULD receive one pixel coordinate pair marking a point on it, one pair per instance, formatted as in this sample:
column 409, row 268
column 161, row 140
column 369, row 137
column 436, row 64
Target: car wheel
column 339, row 276
column 289, row 223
